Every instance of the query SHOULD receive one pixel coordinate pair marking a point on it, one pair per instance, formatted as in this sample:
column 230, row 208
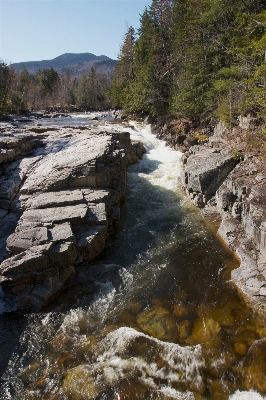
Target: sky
column 34, row 30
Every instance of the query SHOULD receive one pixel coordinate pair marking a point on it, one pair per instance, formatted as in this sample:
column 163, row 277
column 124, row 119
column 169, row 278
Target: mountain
column 74, row 64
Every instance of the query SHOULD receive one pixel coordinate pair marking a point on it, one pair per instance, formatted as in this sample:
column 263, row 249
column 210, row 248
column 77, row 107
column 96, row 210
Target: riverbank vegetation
column 23, row 91
column 195, row 59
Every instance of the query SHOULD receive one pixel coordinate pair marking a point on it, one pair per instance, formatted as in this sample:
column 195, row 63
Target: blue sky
column 32, row 30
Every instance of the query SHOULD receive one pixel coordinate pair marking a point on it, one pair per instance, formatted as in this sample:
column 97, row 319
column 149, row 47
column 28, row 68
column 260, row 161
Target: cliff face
column 222, row 176
column 58, row 205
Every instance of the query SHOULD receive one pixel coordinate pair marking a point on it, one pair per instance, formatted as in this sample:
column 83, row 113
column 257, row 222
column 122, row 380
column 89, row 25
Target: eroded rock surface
column 220, row 178
column 241, row 202
column 58, row 206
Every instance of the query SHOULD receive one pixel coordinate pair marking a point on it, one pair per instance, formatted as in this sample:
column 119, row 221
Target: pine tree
column 124, row 70
column 5, row 78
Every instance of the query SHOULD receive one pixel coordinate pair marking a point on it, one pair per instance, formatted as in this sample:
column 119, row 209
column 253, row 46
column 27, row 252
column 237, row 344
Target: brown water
column 164, row 321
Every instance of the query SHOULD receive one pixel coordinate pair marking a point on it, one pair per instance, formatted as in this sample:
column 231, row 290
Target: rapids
column 163, row 321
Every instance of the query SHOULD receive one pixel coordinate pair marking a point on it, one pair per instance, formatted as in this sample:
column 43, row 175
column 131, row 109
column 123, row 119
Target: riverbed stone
column 181, row 310
column 254, row 367
column 131, row 389
column 158, row 322
column 240, row 348
column 80, row 384
column 184, row 327
column 204, row 330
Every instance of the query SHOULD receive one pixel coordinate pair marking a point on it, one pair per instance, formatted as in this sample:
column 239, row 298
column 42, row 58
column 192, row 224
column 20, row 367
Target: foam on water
column 170, row 393
column 78, row 116
column 177, row 364
column 168, row 160
column 250, row 395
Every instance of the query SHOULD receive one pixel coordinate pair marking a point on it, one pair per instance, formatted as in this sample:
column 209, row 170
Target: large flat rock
column 72, row 166
column 75, row 213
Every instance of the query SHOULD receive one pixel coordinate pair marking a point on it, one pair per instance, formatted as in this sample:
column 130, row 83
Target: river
column 164, row 322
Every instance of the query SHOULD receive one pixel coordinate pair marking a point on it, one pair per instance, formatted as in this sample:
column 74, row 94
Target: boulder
column 158, row 322
column 204, row 172
column 204, row 330
column 254, row 367
column 80, row 384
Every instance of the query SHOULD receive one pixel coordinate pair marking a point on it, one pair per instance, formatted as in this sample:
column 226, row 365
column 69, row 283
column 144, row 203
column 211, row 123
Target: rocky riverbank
column 61, row 190
column 223, row 175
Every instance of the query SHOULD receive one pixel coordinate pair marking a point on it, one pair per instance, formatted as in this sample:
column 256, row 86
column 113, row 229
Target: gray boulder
column 204, row 172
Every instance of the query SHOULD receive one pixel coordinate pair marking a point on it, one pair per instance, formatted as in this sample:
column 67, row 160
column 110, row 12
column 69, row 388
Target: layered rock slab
column 68, row 203
column 204, row 171
column 222, row 181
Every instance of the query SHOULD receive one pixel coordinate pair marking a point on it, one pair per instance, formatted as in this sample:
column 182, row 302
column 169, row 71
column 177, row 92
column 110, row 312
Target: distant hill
column 74, row 64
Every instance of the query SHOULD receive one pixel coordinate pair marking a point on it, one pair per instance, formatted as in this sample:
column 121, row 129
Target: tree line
column 23, row 91
column 195, row 59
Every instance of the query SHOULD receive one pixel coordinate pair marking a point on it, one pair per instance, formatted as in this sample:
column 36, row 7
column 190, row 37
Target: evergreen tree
column 4, row 86
column 124, row 71
column 48, row 81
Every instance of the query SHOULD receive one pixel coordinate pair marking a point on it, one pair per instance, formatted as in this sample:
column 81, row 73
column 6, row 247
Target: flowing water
column 164, row 321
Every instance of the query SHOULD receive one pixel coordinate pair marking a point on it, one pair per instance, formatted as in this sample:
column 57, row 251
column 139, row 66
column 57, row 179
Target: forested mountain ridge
column 73, row 63
column 196, row 59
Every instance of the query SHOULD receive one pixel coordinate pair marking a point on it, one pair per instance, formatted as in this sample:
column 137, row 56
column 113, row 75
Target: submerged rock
column 131, row 389
column 204, row 330
column 79, row 384
column 254, row 367
column 158, row 322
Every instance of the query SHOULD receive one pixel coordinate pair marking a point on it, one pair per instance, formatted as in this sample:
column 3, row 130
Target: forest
column 198, row 59
column 23, row 91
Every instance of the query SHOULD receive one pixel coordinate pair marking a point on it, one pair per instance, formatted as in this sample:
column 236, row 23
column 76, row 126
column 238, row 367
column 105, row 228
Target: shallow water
column 164, row 322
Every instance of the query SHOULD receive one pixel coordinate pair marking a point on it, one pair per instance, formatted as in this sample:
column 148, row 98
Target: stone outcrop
column 219, row 179
column 204, row 172
column 59, row 205
column 241, row 202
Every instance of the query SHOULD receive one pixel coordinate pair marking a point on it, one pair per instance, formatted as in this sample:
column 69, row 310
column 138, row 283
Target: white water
column 250, row 395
